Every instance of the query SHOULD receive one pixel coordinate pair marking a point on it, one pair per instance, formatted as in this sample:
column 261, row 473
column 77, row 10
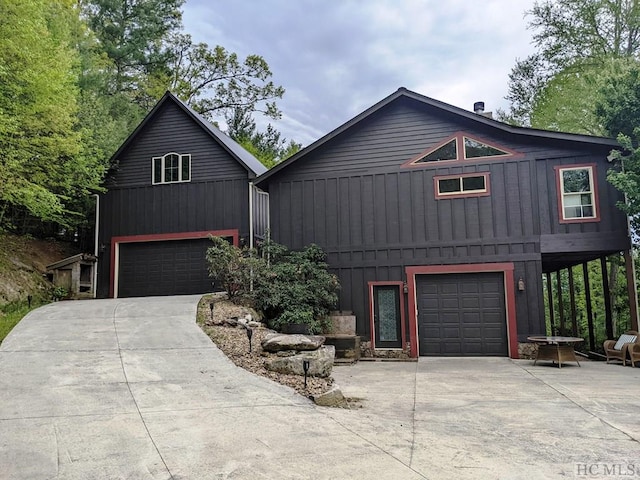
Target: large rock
column 320, row 362
column 332, row 398
column 275, row 342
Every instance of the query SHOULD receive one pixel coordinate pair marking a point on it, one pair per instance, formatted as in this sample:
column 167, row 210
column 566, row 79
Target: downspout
column 251, row 230
column 96, row 247
column 251, row 215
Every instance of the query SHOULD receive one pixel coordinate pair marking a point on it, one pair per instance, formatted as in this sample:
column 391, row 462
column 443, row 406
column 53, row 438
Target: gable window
column 171, row 168
column 577, row 194
column 460, row 147
column 467, row 185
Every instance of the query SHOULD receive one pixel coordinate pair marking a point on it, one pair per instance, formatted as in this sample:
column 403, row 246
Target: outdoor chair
column 617, row 350
column 634, row 353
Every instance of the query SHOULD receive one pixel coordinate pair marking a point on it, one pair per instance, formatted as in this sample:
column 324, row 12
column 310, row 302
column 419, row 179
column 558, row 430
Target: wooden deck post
column 587, row 294
column 607, row 298
column 550, row 301
column 560, row 305
column 632, row 288
column 572, row 300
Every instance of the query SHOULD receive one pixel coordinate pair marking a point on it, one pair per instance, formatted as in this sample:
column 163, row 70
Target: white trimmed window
column 171, row 168
column 577, row 193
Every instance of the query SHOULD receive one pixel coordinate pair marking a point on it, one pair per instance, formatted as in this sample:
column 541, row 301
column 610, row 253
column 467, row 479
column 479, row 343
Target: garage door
column 176, row 267
column 462, row 314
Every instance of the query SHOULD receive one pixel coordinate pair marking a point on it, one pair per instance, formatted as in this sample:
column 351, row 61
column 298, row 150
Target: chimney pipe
column 478, row 107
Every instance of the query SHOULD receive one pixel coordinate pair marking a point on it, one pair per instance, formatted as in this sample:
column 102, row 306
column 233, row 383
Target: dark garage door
column 176, row 267
column 462, row 314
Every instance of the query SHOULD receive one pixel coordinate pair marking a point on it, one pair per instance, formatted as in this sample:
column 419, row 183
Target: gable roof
column 244, row 158
column 405, row 93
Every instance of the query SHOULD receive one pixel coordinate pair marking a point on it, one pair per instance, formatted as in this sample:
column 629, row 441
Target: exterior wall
column 216, row 198
column 374, row 217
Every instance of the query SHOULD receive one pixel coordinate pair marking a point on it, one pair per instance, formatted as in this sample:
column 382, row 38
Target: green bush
column 288, row 286
column 232, row 268
column 296, row 287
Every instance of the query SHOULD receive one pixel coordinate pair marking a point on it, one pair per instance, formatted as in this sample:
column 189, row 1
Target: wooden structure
column 177, row 180
column 440, row 222
column 75, row 274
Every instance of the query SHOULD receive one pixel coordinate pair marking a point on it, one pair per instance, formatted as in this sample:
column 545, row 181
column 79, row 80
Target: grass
column 11, row 314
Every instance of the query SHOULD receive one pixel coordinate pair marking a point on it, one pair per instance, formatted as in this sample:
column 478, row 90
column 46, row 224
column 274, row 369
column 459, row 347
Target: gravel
column 233, row 341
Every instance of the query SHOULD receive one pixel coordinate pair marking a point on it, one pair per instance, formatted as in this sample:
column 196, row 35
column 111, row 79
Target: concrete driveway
column 132, row 389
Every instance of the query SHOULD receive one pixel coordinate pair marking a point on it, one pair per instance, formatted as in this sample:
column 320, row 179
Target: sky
column 336, row 58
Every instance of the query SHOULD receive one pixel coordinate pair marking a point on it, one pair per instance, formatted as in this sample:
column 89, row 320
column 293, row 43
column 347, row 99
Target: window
column 467, row 185
column 577, row 194
column 460, row 147
column 171, row 168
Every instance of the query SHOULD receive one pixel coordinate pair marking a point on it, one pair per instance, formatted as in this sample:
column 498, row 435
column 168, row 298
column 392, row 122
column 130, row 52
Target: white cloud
column 336, row 59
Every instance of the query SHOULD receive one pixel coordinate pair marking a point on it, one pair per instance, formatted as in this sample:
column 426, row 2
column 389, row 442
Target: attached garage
column 462, row 314
column 170, row 264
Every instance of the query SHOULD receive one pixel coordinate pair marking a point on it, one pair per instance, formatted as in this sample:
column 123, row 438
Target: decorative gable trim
column 461, row 154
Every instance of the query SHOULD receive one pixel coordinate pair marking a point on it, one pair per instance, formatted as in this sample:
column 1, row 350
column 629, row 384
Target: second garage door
column 176, row 267
column 462, row 314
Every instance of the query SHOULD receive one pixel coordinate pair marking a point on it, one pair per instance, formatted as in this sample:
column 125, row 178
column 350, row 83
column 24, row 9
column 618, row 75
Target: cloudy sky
column 335, row 58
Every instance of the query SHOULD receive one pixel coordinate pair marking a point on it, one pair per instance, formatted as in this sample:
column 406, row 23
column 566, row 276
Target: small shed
column 75, row 274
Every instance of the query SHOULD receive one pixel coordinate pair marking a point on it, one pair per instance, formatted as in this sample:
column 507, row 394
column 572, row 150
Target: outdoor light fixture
column 305, row 367
column 211, row 307
column 405, row 287
column 249, row 335
column 521, row 284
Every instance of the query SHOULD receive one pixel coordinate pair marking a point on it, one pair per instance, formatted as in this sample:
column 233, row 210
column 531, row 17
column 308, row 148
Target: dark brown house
column 178, row 180
column 440, row 222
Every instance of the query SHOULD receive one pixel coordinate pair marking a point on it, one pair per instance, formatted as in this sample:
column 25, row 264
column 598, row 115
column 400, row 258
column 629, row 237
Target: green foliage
column 232, row 268
column 296, row 287
column 215, row 81
column 288, row 286
column 576, row 40
column 12, row 313
column 267, row 146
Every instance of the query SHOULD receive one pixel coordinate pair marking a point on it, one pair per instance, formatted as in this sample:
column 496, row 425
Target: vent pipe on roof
column 478, row 107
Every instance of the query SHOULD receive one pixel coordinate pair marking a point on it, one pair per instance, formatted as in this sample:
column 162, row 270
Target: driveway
column 132, row 389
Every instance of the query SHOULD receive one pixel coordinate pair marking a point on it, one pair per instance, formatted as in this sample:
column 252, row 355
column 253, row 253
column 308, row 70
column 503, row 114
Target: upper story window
column 460, row 147
column 466, row 185
column 171, row 168
column 577, row 194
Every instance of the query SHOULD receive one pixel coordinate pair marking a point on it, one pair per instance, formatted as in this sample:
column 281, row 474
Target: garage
column 174, row 267
column 462, row 314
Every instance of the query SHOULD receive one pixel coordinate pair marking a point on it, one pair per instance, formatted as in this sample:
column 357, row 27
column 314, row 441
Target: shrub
column 232, row 268
column 296, row 287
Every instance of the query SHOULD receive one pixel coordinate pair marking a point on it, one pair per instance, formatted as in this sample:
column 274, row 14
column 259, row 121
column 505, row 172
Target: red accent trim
column 596, row 201
column 159, row 237
column 461, row 157
column 510, row 297
column 440, row 196
column 403, row 333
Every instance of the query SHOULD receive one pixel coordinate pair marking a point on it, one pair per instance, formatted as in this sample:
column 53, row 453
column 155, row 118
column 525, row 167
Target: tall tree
column 38, row 138
column 574, row 38
column 216, row 82
column 267, row 146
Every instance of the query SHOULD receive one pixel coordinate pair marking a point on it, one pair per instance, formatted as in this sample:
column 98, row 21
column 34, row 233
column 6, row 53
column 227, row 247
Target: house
column 178, row 180
column 441, row 222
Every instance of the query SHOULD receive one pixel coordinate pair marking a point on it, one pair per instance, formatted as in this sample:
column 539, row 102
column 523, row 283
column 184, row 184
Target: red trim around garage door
column 510, row 297
column 160, row 237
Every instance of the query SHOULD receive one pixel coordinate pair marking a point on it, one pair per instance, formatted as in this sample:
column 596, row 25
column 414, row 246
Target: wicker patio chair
column 617, row 350
column 634, row 353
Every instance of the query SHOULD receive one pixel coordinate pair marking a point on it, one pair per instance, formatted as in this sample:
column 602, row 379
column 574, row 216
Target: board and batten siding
column 374, row 217
column 216, row 197
column 172, row 130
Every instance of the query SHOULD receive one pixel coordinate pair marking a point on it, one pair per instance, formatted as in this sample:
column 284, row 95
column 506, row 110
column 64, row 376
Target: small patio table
column 556, row 349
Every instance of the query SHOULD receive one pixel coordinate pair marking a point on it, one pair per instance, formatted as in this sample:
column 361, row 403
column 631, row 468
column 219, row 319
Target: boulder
column 320, row 362
column 275, row 342
column 332, row 398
